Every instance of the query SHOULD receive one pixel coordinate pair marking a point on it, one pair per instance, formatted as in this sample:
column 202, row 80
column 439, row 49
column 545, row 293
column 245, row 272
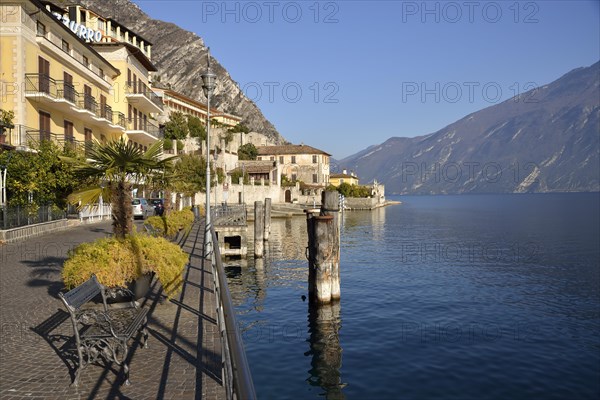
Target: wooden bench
column 103, row 333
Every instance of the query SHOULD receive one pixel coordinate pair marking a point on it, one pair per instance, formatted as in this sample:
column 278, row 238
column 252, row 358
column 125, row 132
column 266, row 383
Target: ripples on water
column 451, row 297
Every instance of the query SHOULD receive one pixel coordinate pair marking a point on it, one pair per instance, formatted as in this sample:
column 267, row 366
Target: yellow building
column 337, row 179
column 174, row 101
column 73, row 77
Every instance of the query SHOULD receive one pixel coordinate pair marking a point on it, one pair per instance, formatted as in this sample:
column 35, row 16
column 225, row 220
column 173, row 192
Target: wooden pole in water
column 267, row 218
column 258, row 229
column 324, row 250
column 330, row 206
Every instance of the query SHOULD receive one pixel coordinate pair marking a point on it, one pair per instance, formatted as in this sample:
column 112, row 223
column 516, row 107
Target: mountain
column 180, row 57
column 545, row 140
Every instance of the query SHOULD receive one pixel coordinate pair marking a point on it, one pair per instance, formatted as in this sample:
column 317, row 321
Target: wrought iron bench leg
column 78, row 369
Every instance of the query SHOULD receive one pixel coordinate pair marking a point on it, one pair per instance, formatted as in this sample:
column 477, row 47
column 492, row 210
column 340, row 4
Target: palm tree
column 112, row 169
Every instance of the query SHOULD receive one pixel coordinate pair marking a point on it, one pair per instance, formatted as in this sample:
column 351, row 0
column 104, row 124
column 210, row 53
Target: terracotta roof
column 289, row 149
column 254, row 167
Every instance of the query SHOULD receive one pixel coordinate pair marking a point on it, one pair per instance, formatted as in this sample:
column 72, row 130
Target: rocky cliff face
column 545, row 140
column 180, row 57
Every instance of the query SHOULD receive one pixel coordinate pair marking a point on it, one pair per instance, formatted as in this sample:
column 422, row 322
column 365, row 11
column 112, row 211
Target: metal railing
column 141, row 124
column 225, row 215
column 89, row 103
column 35, row 136
column 41, row 84
column 237, row 376
column 91, row 212
column 136, row 87
column 15, row 217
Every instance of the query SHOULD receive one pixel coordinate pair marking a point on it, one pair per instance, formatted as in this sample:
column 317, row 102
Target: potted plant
column 118, row 262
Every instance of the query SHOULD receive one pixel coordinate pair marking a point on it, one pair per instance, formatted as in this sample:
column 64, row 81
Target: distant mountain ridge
column 545, row 140
column 180, row 57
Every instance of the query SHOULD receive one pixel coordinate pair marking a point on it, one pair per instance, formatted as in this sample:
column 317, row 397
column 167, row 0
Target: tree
column 239, row 128
column 177, row 126
column 119, row 165
column 196, row 127
column 42, row 174
column 247, row 152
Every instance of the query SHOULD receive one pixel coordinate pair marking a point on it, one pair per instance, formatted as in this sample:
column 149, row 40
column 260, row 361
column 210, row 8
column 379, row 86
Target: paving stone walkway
column 183, row 360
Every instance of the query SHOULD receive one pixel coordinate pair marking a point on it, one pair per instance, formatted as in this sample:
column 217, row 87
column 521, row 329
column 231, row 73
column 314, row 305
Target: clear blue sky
column 344, row 75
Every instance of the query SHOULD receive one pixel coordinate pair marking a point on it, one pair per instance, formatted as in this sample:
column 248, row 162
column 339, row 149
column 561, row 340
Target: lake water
column 445, row 297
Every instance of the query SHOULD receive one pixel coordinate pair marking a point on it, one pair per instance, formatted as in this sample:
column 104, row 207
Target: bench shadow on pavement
column 56, row 330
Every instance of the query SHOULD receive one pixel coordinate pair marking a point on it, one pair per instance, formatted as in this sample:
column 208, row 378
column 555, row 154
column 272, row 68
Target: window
column 293, row 159
column 65, row 46
column 89, row 102
column 315, row 178
column 104, row 109
column 314, row 159
column 68, row 131
column 101, row 73
column 294, row 177
column 280, row 159
column 86, row 62
column 41, row 29
column 68, row 88
column 44, row 75
column 44, row 126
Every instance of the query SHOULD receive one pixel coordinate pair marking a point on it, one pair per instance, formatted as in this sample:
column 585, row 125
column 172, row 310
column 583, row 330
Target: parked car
column 141, row 208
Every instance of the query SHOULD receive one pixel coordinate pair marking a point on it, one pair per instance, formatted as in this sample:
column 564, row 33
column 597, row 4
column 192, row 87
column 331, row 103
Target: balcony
column 56, row 94
column 115, row 118
column 142, row 130
column 25, row 138
column 143, row 97
column 62, row 96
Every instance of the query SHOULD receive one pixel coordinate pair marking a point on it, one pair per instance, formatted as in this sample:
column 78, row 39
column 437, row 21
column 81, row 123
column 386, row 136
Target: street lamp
column 208, row 80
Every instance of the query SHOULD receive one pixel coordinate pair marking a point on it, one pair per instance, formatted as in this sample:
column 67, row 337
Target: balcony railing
column 89, row 103
column 134, row 87
column 40, row 84
column 35, row 136
column 140, row 124
column 68, row 92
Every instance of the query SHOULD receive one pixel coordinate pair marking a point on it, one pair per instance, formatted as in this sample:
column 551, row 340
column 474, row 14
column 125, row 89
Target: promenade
column 183, row 360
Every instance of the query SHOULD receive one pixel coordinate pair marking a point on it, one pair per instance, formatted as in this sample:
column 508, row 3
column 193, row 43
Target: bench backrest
column 83, row 293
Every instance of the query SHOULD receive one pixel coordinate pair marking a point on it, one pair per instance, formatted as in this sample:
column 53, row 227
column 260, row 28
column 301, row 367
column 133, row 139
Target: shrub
column 116, row 262
column 169, row 225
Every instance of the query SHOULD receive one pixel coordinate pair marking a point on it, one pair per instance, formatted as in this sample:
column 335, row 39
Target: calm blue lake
column 445, row 297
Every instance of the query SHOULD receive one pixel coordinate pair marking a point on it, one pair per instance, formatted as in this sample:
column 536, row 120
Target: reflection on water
column 324, row 324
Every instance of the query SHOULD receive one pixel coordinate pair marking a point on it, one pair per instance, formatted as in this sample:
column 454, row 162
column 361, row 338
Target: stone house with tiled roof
column 299, row 163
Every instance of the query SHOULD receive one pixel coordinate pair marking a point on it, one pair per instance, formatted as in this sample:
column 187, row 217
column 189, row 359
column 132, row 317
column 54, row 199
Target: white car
column 141, row 208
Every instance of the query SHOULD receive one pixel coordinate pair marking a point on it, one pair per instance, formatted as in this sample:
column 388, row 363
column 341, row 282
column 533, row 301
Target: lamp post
column 208, row 80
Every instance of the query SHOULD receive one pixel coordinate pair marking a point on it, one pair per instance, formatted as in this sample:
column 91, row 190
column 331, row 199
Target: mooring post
column 267, row 218
column 324, row 250
column 310, row 253
column 258, row 229
column 330, row 206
